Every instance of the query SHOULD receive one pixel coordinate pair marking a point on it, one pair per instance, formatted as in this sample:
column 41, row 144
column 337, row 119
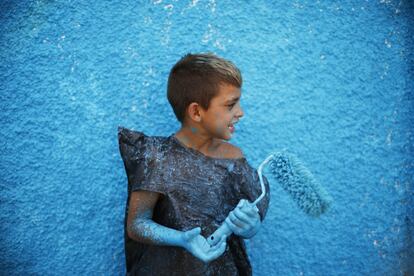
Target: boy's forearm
column 147, row 231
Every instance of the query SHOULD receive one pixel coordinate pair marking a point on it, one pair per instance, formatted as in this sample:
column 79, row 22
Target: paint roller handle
column 223, row 230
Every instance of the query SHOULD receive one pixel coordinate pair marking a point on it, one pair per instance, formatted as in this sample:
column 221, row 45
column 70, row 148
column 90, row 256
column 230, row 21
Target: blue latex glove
column 148, row 231
column 198, row 246
column 244, row 220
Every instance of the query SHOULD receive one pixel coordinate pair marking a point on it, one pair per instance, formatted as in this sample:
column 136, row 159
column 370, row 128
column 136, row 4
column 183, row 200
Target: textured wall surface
column 331, row 82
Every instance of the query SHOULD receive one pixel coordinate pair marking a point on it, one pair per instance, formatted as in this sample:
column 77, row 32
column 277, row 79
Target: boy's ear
column 194, row 112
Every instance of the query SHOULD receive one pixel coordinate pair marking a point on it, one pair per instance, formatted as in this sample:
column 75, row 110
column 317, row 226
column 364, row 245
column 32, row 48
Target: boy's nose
column 240, row 113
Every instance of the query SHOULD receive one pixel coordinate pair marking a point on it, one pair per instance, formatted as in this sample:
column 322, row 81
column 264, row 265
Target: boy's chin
column 227, row 136
column 224, row 135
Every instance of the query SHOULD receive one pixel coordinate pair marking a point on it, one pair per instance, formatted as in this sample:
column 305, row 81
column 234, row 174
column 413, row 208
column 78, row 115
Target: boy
column 181, row 188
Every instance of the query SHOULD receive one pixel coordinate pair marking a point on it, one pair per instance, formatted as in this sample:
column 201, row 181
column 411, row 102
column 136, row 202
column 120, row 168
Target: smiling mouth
column 231, row 127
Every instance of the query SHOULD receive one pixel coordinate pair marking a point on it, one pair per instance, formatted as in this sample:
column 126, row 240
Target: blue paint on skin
column 148, row 231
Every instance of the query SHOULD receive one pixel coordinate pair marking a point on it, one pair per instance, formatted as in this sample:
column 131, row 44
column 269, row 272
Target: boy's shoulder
column 227, row 150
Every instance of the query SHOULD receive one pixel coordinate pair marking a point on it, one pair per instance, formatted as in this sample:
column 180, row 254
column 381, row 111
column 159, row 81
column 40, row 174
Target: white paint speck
column 388, row 43
column 208, row 34
column 218, row 44
column 389, row 138
column 168, row 7
column 212, row 5
column 147, row 20
column 193, row 3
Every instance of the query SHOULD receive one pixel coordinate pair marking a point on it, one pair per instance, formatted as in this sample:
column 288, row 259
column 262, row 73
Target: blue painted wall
column 332, row 82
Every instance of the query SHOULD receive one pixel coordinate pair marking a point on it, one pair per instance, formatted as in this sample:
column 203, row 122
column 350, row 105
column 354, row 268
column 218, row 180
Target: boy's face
column 224, row 111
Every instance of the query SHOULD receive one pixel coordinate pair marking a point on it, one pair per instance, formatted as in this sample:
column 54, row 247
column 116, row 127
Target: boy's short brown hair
column 196, row 78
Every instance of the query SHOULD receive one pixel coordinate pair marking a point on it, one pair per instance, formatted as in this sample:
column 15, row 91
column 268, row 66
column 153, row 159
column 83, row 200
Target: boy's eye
column 231, row 105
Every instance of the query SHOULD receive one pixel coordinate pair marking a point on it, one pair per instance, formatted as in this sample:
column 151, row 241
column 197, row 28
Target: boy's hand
column 244, row 220
column 198, row 246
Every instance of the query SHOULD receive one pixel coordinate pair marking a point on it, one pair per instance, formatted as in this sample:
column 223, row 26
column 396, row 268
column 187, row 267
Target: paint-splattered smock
column 197, row 190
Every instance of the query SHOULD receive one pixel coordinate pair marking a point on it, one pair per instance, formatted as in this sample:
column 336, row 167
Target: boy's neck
column 191, row 137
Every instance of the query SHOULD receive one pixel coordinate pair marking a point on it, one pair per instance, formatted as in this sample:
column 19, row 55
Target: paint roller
column 296, row 180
